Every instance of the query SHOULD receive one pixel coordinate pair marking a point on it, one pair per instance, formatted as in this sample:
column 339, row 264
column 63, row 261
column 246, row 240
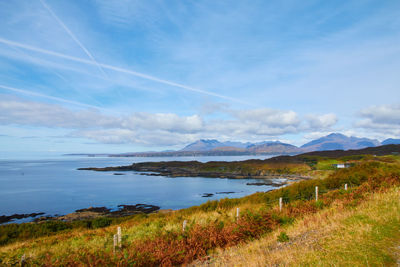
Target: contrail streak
column 48, row 97
column 121, row 70
column 18, row 50
column 70, row 33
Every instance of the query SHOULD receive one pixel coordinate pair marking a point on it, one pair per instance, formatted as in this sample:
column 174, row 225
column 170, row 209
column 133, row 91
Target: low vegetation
column 365, row 235
column 158, row 239
column 17, row 232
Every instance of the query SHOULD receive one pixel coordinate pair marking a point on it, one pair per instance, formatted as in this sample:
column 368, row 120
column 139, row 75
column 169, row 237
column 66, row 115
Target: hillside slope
column 158, row 239
column 367, row 235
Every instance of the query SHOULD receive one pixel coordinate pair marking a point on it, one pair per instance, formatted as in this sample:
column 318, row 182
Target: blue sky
column 118, row 75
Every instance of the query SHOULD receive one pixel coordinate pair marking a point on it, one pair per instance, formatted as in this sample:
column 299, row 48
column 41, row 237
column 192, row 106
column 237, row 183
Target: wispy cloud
column 121, row 70
column 72, row 35
column 264, row 70
column 54, row 98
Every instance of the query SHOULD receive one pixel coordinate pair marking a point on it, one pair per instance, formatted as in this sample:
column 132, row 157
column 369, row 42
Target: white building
column 341, row 165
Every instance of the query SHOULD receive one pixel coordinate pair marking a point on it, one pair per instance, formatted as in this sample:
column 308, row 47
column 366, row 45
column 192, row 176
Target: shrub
column 55, row 226
column 101, row 222
column 319, row 204
column 283, row 237
column 283, row 219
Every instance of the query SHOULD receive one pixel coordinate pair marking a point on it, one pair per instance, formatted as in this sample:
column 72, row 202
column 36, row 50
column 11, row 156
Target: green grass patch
column 283, row 237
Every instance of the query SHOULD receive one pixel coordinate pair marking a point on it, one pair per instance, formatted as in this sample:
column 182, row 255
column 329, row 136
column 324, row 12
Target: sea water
column 55, row 186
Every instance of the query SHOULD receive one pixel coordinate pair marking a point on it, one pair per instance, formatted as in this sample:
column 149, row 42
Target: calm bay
column 55, row 186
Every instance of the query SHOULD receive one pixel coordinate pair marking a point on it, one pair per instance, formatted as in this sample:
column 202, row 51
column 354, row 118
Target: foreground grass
column 158, row 239
column 367, row 235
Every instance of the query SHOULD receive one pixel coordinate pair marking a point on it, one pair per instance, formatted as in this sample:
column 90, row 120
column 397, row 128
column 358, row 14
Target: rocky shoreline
column 221, row 175
column 218, row 193
column 5, row 218
column 86, row 214
column 94, row 212
column 269, row 182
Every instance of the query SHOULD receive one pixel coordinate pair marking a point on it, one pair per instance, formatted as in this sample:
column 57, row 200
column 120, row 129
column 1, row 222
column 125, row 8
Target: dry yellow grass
column 101, row 239
column 362, row 236
column 337, row 235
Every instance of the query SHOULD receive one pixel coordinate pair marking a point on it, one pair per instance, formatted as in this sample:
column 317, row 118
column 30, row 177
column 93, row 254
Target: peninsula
column 299, row 167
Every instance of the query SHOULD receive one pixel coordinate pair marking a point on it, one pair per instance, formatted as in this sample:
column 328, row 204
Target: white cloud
column 385, row 114
column 270, row 123
column 269, row 117
column 254, row 123
column 321, row 121
column 383, row 119
column 14, row 111
column 243, row 129
column 109, row 136
column 159, row 128
column 126, row 136
column 163, row 121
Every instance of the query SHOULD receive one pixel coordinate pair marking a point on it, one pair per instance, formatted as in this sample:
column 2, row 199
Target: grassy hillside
column 158, row 239
column 365, row 235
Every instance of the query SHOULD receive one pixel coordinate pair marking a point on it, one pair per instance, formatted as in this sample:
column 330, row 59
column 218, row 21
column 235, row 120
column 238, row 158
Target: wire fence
column 287, row 200
column 117, row 238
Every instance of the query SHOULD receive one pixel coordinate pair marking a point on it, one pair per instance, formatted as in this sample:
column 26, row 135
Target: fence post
column 237, row 213
column 119, row 237
column 280, row 204
column 23, row 261
column 184, row 225
column 115, row 239
column 345, row 187
column 316, row 193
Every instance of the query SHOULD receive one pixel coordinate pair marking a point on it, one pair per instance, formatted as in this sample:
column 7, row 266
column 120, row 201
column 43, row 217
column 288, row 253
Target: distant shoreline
column 193, row 169
column 177, row 154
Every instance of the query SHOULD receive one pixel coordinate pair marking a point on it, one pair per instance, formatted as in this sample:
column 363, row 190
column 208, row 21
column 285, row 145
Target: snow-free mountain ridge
column 213, row 147
column 333, row 141
column 391, row 141
column 337, row 141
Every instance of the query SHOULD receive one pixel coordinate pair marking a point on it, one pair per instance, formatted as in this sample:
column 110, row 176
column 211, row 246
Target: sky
column 93, row 76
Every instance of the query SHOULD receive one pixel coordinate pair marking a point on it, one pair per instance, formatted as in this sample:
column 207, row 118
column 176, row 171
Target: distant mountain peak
column 208, row 140
column 258, row 147
column 203, row 145
column 336, row 135
column 336, row 141
column 391, row 141
column 333, row 141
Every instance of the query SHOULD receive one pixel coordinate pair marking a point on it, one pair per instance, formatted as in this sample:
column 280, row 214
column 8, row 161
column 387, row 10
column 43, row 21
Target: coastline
column 278, row 174
column 84, row 214
column 123, row 210
column 230, row 170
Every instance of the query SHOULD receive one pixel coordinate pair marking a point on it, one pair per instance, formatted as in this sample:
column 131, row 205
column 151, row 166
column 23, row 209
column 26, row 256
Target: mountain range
column 253, row 148
column 212, row 147
column 337, row 141
column 333, row 141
